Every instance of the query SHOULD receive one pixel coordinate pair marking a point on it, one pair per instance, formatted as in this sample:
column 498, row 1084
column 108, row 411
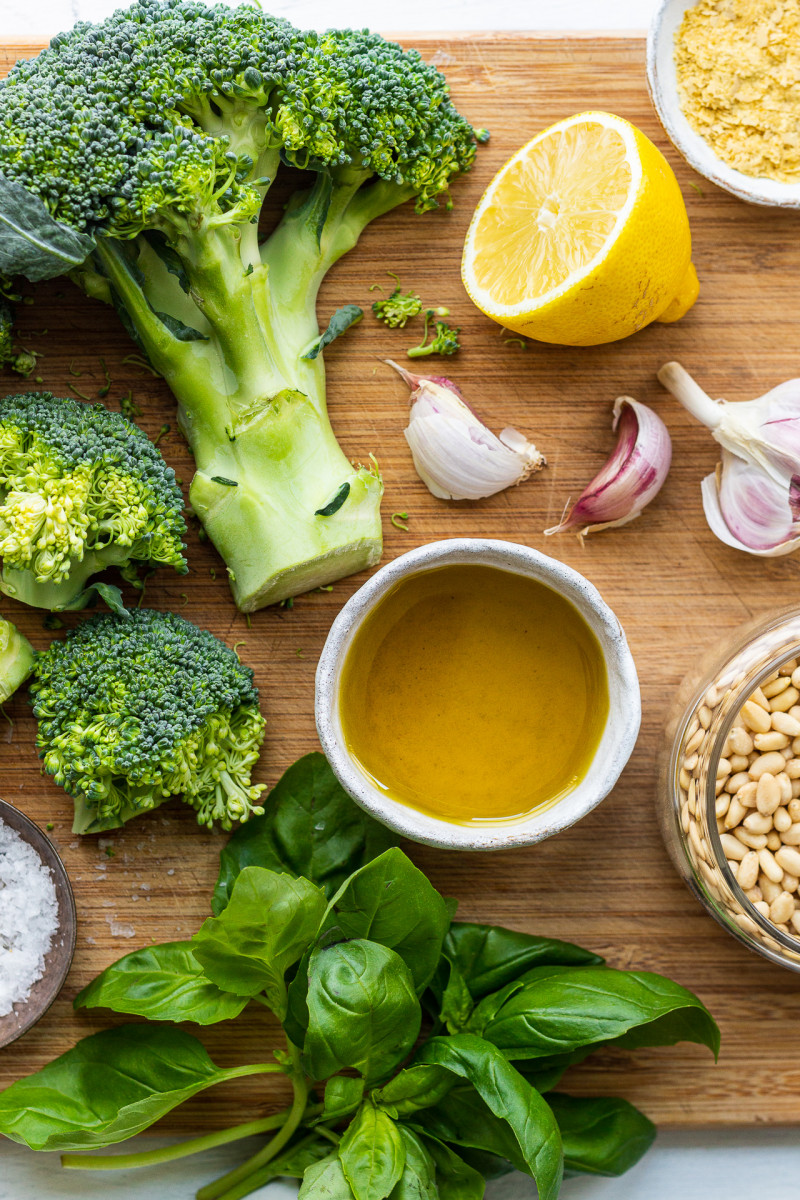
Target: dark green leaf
column 223, row 481
column 164, row 983
column 390, row 901
column 489, row 956
column 343, row 1095
column 546, row 1073
column 97, row 591
column 310, row 827
column 464, row 1119
column 109, row 1087
column 267, row 926
column 509, row 1097
column 183, row 333
column 455, row 1179
column 325, row 1180
column 336, row 503
column 340, row 322
column 489, row 1166
column 363, row 1013
column 169, row 257
column 32, row 243
column 413, row 1089
column 606, row 1136
column 372, row 1153
column 418, row 1181
column 555, row 1010
column 457, row 1003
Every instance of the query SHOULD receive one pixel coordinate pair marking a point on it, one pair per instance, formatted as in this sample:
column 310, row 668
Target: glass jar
column 696, row 809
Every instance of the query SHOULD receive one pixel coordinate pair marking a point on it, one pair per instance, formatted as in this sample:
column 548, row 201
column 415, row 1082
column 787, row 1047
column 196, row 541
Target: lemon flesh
column 582, row 237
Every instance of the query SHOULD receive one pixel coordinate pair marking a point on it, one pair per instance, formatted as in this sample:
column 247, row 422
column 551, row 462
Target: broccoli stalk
column 444, row 341
column 16, row 659
column 197, row 110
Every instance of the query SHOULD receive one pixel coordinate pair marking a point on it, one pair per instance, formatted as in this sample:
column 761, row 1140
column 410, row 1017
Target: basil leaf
column 343, row 1095
column 32, row 242
column 455, row 1179
column 553, row 1010
column 546, row 1073
column 372, row 1153
column 412, row 1089
column 310, row 827
column 466, row 1120
column 109, row 1087
column 390, row 901
column 456, row 1003
column 325, row 1180
column 606, row 1136
column 268, row 924
column 489, row 956
column 509, row 1097
column 164, row 983
column 418, row 1181
column 340, row 322
column 363, row 1013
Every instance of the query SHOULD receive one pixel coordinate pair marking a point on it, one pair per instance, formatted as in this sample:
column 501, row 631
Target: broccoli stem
column 252, row 410
column 23, row 585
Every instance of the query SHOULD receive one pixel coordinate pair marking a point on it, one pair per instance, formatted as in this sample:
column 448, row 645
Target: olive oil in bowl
column 473, row 694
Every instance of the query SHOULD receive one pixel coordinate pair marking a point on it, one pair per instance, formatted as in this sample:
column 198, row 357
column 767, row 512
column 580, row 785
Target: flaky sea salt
column 28, row 917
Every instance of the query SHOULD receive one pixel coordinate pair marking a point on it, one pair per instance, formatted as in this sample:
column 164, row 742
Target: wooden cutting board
column 607, row 882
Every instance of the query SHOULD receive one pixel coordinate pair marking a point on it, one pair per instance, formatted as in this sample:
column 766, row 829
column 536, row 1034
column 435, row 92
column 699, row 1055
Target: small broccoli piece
column 444, row 341
column 398, row 308
column 143, row 147
column 133, row 710
column 16, row 659
column 81, row 489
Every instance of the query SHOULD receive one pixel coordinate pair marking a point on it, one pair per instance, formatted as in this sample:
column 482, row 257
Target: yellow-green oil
column 474, row 694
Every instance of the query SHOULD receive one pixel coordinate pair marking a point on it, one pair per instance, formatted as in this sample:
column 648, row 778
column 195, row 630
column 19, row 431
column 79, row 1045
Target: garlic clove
column 632, row 476
column 455, row 455
column 747, row 510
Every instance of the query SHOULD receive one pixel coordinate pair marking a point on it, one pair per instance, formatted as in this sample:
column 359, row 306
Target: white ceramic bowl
column 616, row 744
column 662, row 81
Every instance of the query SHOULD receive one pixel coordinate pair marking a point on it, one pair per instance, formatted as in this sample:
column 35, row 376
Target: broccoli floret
column 398, row 308
column 16, row 659
column 444, row 341
column 133, row 710
column 81, row 489
column 143, row 147
column 11, row 355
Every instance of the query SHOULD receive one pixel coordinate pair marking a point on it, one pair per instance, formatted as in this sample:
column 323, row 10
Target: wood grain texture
column 607, row 882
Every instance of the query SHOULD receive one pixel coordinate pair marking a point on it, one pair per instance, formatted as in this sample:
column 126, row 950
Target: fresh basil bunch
column 319, row 917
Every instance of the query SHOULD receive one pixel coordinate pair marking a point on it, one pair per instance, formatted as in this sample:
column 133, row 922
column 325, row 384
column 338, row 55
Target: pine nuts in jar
column 729, row 797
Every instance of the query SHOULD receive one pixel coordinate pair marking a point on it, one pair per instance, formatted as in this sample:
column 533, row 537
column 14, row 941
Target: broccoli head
column 16, row 659
column 81, row 489
column 133, row 710
column 444, row 340
column 139, row 151
column 399, row 307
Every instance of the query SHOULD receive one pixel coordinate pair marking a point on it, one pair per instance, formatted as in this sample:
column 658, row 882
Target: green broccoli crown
column 134, row 710
column 76, row 478
column 162, row 111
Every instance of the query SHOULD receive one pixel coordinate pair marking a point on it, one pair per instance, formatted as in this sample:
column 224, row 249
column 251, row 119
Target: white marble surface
column 727, row 1165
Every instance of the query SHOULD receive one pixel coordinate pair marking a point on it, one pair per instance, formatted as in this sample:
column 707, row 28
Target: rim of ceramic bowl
column 58, row 959
column 662, row 83
column 617, row 741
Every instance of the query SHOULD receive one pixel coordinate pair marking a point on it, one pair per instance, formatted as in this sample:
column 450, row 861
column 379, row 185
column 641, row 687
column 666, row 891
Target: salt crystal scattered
column 28, row 917
column 171, row 871
column 119, row 928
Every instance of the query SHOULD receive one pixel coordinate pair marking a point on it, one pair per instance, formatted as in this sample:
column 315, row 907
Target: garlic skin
column 630, row 479
column 455, row 455
column 752, row 500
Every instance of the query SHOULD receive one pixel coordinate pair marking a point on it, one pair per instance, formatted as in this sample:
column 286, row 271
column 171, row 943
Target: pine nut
column 758, row 697
column 788, row 667
column 748, row 870
column 753, row 894
column 785, row 784
column 721, row 806
column 781, row 820
column 724, row 768
column 792, row 835
column 769, row 890
column 754, row 717
column 789, row 859
column 739, row 762
column 704, row 713
column 795, row 919
column 734, row 782
column 796, row 789
column 792, row 768
column 775, row 686
column 733, row 847
column 733, row 867
column 762, row 907
column 696, row 739
column 685, row 817
column 790, row 883
column 718, row 786
column 796, row 682
column 768, row 797
column 772, row 762
column 684, row 779
column 783, row 723
column 785, row 701
column 756, row 841
column 770, row 741
column 795, row 712
column 700, row 850
column 794, row 809
column 782, row 908
column 774, row 840
column 758, row 822
column 741, row 741
column 736, row 814
column 747, row 795
column 768, row 864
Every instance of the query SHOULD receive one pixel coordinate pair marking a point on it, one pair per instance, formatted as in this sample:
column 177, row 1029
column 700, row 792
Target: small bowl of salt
column 37, row 923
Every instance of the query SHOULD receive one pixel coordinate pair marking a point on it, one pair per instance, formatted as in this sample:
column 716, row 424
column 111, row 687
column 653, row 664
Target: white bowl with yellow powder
column 723, row 76
column 477, row 695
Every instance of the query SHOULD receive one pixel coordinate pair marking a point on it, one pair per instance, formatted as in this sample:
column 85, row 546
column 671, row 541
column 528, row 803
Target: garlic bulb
column 632, row 476
column 752, row 501
column 455, row 455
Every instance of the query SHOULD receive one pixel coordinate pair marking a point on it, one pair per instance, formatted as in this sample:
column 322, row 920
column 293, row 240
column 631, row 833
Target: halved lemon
column 582, row 237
